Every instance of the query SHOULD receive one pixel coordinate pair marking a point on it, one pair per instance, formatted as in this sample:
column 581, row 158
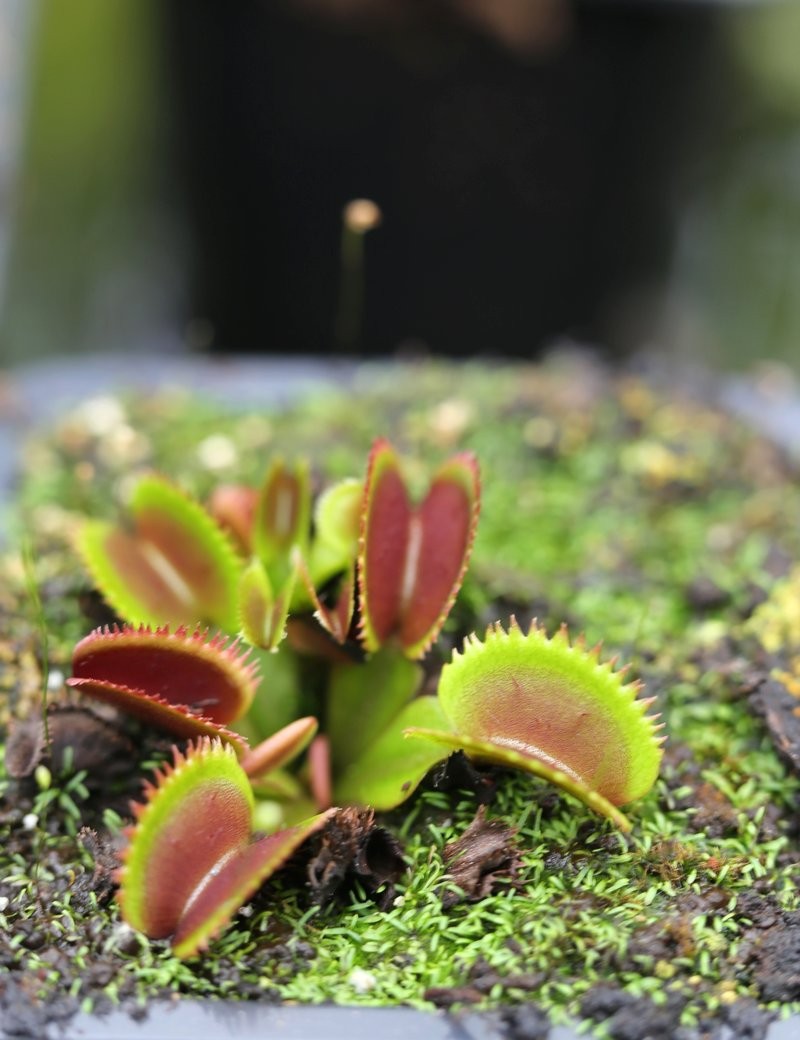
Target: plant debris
column 79, row 739
column 485, row 856
column 105, row 855
column 353, row 848
column 779, row 709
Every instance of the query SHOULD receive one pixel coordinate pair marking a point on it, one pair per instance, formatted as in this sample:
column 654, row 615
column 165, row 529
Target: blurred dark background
column 173, row 175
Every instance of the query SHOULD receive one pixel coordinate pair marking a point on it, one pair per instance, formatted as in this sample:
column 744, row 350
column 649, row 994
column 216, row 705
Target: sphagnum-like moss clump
column 653, row 523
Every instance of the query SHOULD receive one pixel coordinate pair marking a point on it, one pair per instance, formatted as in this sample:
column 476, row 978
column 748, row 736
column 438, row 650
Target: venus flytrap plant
column 193, row 859
column 551, row 708
column 333, row 552
column 279, row 531
column 411, row 563
column 170, row 564
column 412, row 560
column 173, row 562
column 381, row 574
column 284, row 548
column 190, row 684
column 263, row 611
column 233, row 507
column 193, row 683
column 399, row 565
column 275, row 527
column 281, row 521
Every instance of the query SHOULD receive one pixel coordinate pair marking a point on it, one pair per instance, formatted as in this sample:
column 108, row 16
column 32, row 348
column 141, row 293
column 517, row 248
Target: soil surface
column 649, row 520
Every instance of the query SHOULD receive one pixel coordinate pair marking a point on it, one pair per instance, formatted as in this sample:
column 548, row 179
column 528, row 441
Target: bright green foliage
column 553, row 709
column 191, row 863
column 391, row 768
column 337, row 521
column 282, row 518
column 182, row 811
column 175, row 566
column 262, row 612
column 369, row 707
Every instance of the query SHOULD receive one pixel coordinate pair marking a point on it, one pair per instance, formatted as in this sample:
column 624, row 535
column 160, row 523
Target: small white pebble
column 55, row 680
column 101, row 414
column 3, row 904
column 122, row 447
column 125, row 939
column 539, row 432
column 30, row 821
column 217, row 452
column 126, row 485
column 450, row 418
column 720, row 537
column 245, row 911
column 361, row 981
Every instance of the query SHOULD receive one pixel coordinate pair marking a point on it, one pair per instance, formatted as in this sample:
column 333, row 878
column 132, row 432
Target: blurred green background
column 91, row 262
column 98, row 246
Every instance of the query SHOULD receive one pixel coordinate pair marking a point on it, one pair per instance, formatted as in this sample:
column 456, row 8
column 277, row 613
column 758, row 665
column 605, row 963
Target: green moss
column 602, row 507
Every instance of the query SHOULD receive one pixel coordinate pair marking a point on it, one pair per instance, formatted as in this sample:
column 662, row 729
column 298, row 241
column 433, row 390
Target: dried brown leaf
column 352, row 847
column 485, row 854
